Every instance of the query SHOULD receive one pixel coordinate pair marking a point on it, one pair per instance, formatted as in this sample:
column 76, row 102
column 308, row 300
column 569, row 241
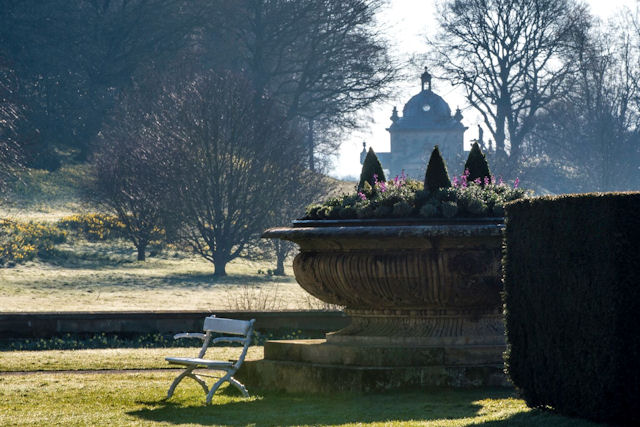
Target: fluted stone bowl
column 405, row 282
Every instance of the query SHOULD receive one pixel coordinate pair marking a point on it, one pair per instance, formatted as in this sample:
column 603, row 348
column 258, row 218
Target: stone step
column 299, row 377
column 319, row 351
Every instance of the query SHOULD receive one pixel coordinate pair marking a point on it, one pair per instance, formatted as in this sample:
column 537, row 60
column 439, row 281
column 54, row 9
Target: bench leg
column 175, row 382
column 200, row 381
column 187, row 373
column 217, row 385
column 209, row 392
column 239, row 386
column 228, row 377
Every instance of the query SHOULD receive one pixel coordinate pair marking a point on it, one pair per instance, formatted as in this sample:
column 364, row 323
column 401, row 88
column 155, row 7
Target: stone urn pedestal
column 423, row 298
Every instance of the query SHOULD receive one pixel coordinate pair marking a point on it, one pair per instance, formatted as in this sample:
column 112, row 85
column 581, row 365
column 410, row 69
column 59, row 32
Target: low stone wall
column 48, row 324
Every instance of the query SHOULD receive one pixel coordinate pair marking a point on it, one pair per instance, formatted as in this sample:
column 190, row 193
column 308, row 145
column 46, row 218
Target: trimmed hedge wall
column 572, row 304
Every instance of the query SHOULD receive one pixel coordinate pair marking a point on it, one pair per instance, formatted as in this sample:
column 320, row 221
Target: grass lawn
column 117, row 358
column 137, row 399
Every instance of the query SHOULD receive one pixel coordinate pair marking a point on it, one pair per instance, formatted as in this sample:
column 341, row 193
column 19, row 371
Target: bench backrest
column 221, row 325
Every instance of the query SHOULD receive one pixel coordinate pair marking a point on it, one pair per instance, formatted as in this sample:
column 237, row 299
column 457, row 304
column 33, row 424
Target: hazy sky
column 407, row 23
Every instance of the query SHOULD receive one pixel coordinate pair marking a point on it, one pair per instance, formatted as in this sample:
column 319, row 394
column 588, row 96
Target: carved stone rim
column 366, row 230
column 420, row 312
column 300, row 223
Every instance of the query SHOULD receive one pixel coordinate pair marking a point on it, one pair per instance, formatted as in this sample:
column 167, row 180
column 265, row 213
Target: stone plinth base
column 316, row 366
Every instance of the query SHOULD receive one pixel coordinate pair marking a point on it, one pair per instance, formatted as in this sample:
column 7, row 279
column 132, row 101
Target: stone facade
column 426, row 121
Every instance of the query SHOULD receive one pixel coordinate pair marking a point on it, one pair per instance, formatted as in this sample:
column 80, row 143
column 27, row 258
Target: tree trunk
column 141, row 248
column 279, row 271
column 311, row 146
column 219, row 267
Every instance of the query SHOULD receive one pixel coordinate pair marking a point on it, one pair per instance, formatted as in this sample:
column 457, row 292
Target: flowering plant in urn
column 473, row 194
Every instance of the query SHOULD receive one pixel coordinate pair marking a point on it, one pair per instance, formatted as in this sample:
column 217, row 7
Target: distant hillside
column 42, row 195
column 337, row 187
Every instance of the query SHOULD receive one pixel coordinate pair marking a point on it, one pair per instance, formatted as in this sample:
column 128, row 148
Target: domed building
column 426, row 121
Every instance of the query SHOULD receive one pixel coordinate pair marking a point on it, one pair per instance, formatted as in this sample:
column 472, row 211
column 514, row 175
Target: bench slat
column 191, row 361
column 226, row 326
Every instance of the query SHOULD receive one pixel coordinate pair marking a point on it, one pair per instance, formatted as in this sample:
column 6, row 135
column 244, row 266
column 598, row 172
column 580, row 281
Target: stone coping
column 300, row 223
column 47, row 324
column 385, row 231
column 176, row 313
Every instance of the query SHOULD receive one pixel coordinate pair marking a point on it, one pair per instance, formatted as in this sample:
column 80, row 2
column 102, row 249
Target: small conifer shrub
column 371, row 167
column 437, row 176
column 404, row 197
column 477, row 165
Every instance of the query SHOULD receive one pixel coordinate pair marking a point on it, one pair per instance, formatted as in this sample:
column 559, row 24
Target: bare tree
column 233, row 159
column 508, row 56
column 592, row 130
column 73, row 59
column 131, row 175
column 308, row 188
column 10, row 111
column 322, row 61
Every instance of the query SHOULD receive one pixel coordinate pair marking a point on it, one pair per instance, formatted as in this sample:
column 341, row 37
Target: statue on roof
column 426, row 78
column 394, row 115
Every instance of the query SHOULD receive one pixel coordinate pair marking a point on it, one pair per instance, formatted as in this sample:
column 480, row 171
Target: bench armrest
column 190, row 335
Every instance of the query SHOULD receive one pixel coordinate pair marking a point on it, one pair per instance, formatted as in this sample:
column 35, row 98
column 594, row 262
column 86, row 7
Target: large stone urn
column 423, row 296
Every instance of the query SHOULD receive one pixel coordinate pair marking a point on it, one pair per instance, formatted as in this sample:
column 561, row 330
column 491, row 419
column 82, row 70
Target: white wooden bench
column 243, row 331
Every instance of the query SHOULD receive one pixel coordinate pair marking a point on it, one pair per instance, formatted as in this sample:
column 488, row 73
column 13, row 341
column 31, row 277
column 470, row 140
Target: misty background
column 407, row 24
column 564, row 118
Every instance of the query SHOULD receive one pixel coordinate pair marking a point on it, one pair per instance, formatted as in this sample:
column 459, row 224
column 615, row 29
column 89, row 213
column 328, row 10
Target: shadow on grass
column 296, row 409
column 537, row 417
column 231, row 279
column 96, row 259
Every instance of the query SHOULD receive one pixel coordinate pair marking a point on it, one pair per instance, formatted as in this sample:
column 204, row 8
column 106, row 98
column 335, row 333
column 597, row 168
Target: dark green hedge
column 572, row 304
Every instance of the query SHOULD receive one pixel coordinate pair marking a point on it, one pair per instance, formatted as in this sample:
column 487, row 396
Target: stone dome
column 426, row 110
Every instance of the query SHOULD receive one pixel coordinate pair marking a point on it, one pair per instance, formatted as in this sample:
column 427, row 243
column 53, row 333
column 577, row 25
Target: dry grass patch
column 105, row 276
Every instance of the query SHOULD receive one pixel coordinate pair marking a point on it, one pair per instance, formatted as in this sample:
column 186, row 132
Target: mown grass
column 99, row 399
column 116, row 358
column 137, row 398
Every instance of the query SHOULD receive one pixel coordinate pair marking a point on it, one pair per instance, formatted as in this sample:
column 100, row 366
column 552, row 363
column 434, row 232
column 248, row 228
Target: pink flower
column 362, row 196
column 383, row 186
column 375, row 178
column 486, row 180
column 455, row 181
column 467, row 173
column 501, row 181
column 477, row 181
column 493, row 180
column 464, row 179
column 516, row 182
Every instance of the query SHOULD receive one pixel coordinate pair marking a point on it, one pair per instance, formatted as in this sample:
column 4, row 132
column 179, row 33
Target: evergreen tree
column 437, row 175
column 370, row 167
column 477, row 164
